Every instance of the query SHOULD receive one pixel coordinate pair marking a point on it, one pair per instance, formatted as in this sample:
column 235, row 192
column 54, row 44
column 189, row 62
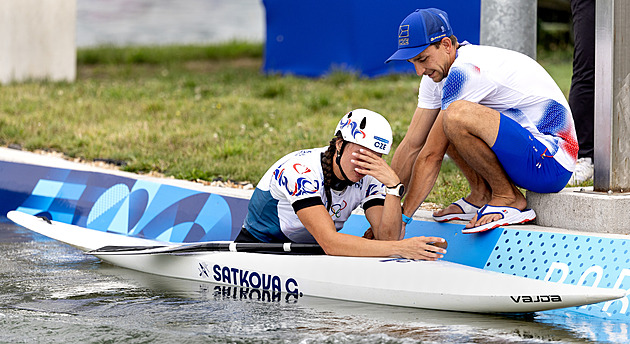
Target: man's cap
column 418, row 30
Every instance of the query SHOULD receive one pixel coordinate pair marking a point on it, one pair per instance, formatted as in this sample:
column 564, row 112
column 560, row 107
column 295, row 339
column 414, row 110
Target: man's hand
column 369, row 234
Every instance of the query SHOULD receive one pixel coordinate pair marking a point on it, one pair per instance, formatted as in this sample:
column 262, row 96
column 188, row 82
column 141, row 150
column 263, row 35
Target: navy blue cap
column 418, row 30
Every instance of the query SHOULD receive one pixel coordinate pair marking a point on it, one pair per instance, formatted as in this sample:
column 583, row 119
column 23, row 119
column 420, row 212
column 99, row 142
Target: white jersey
column 299, row 176
column 516, row 86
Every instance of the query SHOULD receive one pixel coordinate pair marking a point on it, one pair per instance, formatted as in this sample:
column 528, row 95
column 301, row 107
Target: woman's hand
column 424, row 248
column 371, row 164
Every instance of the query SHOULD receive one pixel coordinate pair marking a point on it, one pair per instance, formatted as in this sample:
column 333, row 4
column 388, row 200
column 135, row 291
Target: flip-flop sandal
column 468, row 212
column 510, row 215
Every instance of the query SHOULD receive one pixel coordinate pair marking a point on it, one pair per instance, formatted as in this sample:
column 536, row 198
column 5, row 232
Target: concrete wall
column 583, row 210
column 37, row 40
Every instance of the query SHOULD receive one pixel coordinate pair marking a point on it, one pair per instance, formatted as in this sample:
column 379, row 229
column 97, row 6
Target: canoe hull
column 437, row 285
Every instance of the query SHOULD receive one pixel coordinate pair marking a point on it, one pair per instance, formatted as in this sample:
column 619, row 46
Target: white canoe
column 437, row 285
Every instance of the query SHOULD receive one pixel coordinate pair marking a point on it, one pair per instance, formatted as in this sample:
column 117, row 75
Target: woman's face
column 346, row 161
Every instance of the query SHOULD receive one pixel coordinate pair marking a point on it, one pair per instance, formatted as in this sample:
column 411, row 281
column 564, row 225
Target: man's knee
column 455, row 116
column 458, row 107
column 463, row 117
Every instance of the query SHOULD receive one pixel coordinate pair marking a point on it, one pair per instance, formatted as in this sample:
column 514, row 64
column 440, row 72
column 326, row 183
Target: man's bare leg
column 480, row 192
column 472, row 129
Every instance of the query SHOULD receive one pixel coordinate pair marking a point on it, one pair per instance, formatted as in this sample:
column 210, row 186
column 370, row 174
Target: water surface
column 151, row 22
column 51, row 292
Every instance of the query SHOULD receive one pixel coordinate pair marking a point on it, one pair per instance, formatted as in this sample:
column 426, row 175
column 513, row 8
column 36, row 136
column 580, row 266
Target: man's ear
column 447, row 44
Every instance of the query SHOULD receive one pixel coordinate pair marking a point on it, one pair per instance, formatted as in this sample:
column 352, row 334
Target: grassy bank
column 199, row 112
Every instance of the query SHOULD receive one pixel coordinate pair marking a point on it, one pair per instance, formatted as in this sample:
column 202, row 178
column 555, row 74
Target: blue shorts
column 526, row 160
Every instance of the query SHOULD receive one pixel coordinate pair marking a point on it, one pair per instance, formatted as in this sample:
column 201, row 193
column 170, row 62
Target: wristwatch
column 398, row 190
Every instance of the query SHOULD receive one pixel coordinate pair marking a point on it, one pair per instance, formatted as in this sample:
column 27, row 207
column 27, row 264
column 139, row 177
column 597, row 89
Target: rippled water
column 149, row 22
column 51, row 292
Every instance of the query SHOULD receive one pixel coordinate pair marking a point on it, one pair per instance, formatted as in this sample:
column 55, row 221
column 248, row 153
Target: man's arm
column 426, row 167
column 407, row 152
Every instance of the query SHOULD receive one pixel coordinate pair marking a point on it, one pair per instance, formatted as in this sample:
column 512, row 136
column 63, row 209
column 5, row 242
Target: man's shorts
column 526, row 160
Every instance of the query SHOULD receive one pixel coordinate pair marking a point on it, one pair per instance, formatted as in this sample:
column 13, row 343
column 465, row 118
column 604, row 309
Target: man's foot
column 482, row 218
column 458, row 210
column 505, row 216
column 583, row 172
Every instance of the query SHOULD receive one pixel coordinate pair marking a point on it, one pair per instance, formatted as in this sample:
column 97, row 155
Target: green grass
column 559, row 64
column 202, row 112
column 167, row 54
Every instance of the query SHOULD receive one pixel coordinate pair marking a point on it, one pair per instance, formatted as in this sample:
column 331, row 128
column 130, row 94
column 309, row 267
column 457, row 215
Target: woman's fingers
column 369, row 163
column 368, row 160
column 425, row 248
column 366, row 155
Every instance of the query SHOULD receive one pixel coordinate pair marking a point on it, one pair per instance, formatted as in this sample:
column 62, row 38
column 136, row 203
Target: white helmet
column 366, row 128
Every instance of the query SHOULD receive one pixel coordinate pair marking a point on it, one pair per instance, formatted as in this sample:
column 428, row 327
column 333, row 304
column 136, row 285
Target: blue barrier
column 150, row 209
column 314, row 38
column 119, row 204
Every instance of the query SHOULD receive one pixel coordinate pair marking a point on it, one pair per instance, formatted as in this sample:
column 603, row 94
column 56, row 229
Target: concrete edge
column 582, row 209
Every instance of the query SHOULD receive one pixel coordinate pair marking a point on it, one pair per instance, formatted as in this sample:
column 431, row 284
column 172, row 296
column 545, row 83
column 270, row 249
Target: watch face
column 399, row 190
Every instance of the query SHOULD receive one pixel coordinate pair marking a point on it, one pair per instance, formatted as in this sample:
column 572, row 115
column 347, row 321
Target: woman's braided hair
column 327, row 167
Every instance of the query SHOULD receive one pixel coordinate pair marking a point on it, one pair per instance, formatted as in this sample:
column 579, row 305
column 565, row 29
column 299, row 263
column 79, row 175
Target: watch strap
column 395, row 190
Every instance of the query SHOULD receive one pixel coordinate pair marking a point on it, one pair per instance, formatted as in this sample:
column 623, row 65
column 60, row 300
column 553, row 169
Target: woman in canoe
column 306, row 196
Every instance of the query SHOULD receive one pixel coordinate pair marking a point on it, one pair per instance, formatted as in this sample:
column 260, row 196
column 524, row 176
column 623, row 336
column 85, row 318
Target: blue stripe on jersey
column 553, row 120
column 372, row 190
column 515, row 114
column 453, row 86
column 262, row 219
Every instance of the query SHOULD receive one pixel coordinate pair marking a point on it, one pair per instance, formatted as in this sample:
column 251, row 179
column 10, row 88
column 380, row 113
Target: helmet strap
column 338, row 160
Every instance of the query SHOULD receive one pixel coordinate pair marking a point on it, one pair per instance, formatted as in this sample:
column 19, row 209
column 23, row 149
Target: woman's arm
column 318, row 222
column 386, row 220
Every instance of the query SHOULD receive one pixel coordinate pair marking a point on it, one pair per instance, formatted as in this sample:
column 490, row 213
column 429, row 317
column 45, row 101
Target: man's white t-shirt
column 516, row 86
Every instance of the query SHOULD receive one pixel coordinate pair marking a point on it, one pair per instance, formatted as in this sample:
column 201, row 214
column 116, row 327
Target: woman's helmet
column 366, row 128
